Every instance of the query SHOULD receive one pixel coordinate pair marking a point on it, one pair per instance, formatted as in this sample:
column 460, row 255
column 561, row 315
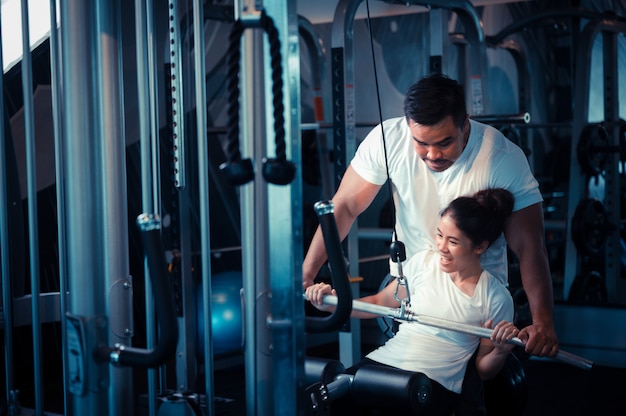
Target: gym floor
column 560, row 389
column 554, row 389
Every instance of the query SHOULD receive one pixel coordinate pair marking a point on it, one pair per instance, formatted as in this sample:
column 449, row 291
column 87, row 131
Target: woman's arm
column 315, row 294
column 492, row 353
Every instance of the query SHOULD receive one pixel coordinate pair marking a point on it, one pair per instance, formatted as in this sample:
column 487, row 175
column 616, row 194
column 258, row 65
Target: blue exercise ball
column 226, row 313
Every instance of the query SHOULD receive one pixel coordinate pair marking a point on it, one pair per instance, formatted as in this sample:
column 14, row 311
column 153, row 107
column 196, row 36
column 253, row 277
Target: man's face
column 439, row 146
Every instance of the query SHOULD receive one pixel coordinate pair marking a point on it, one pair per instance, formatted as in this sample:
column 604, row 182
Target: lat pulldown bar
column 407, row 315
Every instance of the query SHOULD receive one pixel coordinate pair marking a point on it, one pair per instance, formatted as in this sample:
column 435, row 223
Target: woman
column 450, row 284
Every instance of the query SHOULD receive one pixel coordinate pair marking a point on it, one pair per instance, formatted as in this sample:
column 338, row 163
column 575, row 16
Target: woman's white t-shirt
column 442, row 354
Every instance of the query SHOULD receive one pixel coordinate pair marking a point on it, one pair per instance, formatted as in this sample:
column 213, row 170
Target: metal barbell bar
column 409, row 316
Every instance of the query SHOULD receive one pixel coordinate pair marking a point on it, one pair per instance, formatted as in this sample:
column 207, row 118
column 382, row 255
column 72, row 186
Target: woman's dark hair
column 481, row 217
column 433, row 98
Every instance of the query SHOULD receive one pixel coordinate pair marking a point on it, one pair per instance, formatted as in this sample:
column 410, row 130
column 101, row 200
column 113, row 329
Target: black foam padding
column 321, row 369
column 375, row 386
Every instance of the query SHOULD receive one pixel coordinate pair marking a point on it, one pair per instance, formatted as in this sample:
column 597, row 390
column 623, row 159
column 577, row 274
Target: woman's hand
column 492, row 353
column 504, row 331
column 315, row 294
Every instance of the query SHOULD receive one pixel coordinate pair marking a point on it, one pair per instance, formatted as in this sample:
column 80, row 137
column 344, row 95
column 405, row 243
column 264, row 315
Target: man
column 435, row 154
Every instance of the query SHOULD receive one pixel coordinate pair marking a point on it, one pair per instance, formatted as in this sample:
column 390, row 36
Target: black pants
column 442, row 401
column 472, row 400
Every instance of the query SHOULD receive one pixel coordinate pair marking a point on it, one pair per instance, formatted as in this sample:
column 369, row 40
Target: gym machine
column 593, row 252
column 343, row 109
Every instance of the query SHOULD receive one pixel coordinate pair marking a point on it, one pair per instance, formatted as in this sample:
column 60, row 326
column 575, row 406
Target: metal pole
column 7, row 289
column 316, row 52
column 148, row 135
column 409, row 316
column 521, row 118
column 254, row 293
column 613, row 177
column 31, row 184
column 57, row 100
column 83, row 171
column 344, row 145
column 115, row 237
column 285, row 231
column 203, row 190
column 253, row 230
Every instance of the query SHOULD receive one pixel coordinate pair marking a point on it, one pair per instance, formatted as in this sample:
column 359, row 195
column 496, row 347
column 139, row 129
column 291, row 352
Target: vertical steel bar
column 249, row 265
column 148, row 132
column 612, row 192
column 115, row 237
column 155, row 174
column 31, row 186
column 143, row 99
column 317, row 57
column 344, row 103
column 284, row 216
column 57, row 105
column 154, row 111
column 83, row 172
column 203, row 190
column 176, row 92
column 7, row 287
column 438, row 33
column 179, row 76
column 253, row 203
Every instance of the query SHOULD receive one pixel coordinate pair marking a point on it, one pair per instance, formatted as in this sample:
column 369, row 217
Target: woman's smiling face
column 457, row 253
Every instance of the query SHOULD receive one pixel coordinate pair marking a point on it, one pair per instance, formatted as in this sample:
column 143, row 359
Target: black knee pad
column 402, row 391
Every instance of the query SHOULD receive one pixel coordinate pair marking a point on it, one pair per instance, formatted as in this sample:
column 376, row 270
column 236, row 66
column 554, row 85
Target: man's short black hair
column 433, row 98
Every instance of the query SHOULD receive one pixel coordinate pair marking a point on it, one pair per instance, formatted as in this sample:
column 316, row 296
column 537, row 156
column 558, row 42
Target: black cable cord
column 380, row 115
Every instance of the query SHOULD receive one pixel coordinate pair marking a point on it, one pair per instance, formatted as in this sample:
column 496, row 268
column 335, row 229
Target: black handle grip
column 150, row 227
column 338, row 272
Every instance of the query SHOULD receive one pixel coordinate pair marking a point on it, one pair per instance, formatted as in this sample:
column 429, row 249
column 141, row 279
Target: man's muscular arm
column 524, row 233
column 354, row 195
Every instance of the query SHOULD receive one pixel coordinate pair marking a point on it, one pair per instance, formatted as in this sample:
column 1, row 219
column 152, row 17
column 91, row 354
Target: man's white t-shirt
column 442, row 354
column 489, row 160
